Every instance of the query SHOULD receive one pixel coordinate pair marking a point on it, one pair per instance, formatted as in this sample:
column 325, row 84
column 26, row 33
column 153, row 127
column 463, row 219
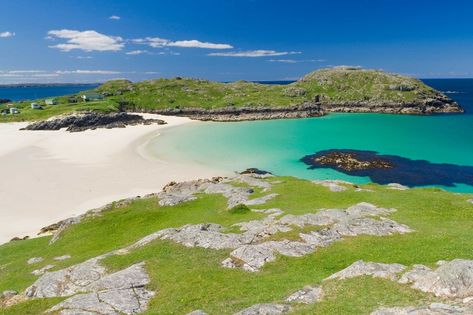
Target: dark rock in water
column 250, row 171
column 4, row 101
column 92, row 120
column 385, row 169
column 351, row 161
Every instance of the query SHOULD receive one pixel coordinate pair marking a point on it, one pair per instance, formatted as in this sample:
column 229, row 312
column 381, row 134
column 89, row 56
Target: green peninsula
column 340, row 89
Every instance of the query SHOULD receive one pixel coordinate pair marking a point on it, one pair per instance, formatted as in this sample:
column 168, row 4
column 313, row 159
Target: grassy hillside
column 326, row 87
column 186, row 279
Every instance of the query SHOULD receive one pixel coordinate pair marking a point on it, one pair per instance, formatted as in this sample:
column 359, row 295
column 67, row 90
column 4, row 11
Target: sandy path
column 46, row 176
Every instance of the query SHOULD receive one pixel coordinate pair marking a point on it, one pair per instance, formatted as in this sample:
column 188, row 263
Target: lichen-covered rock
column 306, row 295
column 362, row 268
column 265, row 309
column 432, row 309
column 453, row 279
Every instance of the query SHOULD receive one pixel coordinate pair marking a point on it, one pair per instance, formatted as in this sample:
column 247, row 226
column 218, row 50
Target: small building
column 14, row 110
column 50, row 101
column 89, row 97
column 35, row 106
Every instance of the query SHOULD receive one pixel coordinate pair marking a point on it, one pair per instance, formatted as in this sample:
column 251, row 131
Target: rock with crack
column 376, row 270
column 453, row 279
column 111, row 302
column 306, row 295
column 250, row 257
column 265, row 309
column 432, row 309
column 254, row 181
column 67, row 281
column 96, row 292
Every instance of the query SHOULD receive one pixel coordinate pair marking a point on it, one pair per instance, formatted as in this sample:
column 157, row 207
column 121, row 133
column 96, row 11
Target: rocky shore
column 93, row 120
column 441, row 105
column 228, row 114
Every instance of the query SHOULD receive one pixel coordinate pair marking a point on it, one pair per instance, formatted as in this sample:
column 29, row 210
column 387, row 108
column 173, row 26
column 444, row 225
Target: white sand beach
column 47, row 176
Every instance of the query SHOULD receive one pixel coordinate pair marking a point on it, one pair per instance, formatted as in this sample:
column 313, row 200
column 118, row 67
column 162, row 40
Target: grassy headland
column 336, row 89
column 189, row 278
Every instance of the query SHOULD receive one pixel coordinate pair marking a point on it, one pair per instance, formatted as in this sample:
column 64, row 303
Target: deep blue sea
column 20, row 93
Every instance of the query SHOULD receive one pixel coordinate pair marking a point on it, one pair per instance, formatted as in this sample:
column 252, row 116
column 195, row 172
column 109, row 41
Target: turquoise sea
column 278, row 145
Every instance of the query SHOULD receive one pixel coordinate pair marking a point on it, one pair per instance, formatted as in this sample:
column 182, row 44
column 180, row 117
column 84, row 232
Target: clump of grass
column 239, row 209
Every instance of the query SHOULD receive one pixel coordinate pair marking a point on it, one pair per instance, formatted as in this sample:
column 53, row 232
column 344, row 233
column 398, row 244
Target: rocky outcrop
column 453, row 279
column 175, row 193
column 306, row 295
column 336, row 224
column 93, row 290
column 92, row 120
column 432, row 309
column 265, row 309
column 375, row 270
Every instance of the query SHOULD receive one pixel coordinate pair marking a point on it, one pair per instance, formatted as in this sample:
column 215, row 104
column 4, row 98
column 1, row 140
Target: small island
column 339, row 89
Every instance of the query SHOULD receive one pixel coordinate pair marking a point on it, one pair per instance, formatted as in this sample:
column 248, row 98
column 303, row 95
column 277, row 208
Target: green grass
column 186, row 279
column 330, row 86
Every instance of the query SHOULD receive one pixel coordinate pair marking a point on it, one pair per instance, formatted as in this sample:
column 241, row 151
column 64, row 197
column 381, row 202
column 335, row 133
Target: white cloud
column 6, row 34
column 84, row 57
column 86, row 40
column 25, row 71
column 157, row 42
column 106, row 72
column 115, row 17
column 137, row 52
column 254, row 53
column 295, row 60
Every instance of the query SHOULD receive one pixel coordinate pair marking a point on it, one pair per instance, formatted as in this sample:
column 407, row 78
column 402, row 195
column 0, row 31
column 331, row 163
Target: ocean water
column 19, row 93
column 278, row 145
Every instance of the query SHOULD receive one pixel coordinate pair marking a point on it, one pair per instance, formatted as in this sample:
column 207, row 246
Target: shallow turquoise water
column 278, row 145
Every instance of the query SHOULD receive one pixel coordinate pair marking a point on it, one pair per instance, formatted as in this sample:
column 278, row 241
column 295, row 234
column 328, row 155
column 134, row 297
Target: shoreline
column 48, row 176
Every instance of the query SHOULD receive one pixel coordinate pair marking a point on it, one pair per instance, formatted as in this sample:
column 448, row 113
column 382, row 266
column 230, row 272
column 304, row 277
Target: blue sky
column 91, row 41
